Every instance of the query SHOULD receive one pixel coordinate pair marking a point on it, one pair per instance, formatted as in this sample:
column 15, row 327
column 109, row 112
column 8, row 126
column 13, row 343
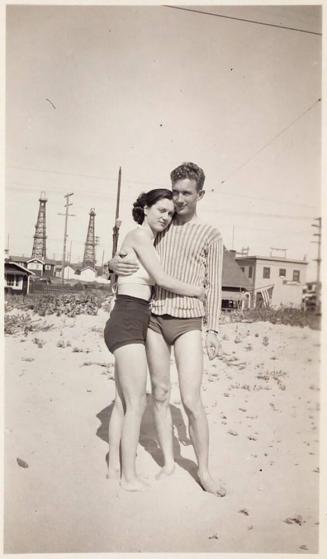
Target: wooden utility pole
column 66, row 214
column 318, row 260
column 102, row 261
column 115, row 231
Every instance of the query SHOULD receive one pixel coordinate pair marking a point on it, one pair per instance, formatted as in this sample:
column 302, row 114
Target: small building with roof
column 236, row 288
column 17, row 278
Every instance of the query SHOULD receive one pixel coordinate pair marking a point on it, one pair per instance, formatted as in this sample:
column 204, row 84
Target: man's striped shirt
column 193, row 253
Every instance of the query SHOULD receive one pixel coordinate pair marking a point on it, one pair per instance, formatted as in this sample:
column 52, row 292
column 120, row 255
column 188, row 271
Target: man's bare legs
column 158, row 354
column 115, row 432
column 131, row 370
column 189, row 362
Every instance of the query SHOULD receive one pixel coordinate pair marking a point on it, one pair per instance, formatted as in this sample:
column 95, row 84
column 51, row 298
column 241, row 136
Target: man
column 191, row 251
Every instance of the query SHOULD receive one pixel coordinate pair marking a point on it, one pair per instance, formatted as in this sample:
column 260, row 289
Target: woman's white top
column 140, row 277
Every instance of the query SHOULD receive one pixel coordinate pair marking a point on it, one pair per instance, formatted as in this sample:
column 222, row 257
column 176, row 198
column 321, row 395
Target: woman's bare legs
column 131, row 367
column 115, row 432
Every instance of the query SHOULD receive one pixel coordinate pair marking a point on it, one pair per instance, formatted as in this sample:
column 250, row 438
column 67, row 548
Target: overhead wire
column 252, row 21
column 271, row 140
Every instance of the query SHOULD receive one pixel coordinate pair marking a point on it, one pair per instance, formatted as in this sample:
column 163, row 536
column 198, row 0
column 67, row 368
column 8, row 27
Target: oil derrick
column 89, row 251
column 39, row 244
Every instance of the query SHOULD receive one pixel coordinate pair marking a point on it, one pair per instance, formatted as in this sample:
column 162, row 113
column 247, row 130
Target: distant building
column 69, row 271
column 87, row 273
column 235, row 284
column 38, row 266
column 274, row 281
column 78, row 272
column 49, row 268
column 17, row 278
column 21, row 260
column 309, row 296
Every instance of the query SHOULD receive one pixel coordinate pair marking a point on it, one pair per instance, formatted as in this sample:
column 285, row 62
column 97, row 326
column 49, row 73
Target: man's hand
column 213, row 345
column 123, row 265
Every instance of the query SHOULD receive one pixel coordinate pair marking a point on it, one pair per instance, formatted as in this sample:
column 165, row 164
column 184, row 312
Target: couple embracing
column 169, row 283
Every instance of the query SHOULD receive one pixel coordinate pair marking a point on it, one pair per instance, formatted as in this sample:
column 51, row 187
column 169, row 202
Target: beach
column 262, row 403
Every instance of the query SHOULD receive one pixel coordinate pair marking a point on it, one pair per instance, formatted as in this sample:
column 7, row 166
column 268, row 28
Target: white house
column 36, row 265
column 86, row 274
column 274, row 281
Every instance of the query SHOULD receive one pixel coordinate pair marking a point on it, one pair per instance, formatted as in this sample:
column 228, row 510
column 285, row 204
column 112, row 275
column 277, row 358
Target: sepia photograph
column 162, row 278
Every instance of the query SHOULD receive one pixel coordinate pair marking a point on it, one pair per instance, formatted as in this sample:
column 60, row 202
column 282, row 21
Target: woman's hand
column 202, row 293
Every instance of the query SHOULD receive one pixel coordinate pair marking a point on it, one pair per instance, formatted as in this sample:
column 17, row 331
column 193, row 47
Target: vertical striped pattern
column 192, row 253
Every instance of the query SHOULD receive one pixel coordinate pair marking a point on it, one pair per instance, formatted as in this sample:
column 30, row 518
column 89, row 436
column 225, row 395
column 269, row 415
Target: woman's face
column 160, row 214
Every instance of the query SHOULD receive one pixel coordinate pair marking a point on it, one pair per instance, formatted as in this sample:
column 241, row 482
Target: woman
column 126, row 330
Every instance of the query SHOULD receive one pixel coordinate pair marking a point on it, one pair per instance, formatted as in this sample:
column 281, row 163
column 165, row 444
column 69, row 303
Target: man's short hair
column 188, row 171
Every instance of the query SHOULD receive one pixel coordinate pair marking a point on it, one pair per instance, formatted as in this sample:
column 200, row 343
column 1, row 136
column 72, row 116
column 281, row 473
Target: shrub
column 281, row 315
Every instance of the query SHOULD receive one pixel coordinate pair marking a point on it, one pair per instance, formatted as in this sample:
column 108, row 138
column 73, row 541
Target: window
column 282, row 272
column 47, row 267
column 266, row 272
column 296, row 275
column 250, row 271
column 242, row 268
column 13, row 280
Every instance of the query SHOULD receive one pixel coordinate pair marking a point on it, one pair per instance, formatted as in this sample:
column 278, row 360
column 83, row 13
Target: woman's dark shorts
column 128, row 322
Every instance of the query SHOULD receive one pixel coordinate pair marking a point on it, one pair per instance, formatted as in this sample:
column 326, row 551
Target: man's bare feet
column 166, row 471
column 211, row 486
column 136, row 484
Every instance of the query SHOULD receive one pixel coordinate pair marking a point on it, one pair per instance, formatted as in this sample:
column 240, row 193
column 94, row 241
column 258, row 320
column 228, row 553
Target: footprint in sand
column 244, row 511
column 22, row 463
column 298, row 519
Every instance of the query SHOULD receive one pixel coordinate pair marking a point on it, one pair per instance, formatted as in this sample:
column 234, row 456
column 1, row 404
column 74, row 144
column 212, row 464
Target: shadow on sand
column 148, row 437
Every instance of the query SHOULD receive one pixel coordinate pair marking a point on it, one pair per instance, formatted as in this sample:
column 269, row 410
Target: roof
column 33, row 258
column 87, row 268
column 52, row 261
column 14, row 267
column 232, row 273
column 19, row 258
column 271, row 259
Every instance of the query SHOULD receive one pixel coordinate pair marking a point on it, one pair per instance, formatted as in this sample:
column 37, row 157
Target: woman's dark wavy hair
column 149, row 199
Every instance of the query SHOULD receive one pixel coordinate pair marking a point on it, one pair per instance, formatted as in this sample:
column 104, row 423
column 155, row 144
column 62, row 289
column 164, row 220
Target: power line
column 258, row 214
column 271, row 140
column 253, row 21
column 60, row 173
column 101, row 193
column 272, row 200
column 81, row 175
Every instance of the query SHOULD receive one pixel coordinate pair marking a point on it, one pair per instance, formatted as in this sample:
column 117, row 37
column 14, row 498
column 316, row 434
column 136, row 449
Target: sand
column 262, row 403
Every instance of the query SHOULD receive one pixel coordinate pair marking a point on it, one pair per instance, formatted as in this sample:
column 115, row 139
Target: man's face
column 186, row 196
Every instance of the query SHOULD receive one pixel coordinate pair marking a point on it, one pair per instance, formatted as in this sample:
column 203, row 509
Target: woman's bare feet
column 136, row 484
column 113, row 473
column 210, row 485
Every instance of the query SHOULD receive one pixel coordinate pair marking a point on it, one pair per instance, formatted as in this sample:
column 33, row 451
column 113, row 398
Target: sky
column 90, row 89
